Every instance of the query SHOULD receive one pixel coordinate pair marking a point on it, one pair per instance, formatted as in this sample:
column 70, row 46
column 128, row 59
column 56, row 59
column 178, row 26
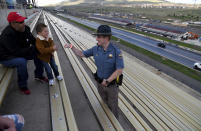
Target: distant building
column 11, row 4
column 2, row 1
column 3, row 4
column 21, row 1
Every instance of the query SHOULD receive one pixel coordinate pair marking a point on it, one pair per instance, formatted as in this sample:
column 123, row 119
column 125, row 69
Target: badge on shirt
column 110, row 56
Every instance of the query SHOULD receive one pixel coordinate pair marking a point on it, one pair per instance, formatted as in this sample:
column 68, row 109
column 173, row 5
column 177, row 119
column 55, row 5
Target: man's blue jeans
column 39, row 67
column 21, row 65
column 49, row 70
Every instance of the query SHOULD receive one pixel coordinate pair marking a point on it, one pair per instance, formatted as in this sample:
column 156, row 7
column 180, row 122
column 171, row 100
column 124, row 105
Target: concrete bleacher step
column 61, row 110
column 5, row 80
column 2, row 72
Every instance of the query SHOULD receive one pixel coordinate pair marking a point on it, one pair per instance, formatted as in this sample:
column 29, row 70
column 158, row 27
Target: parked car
column 162, row 45
column 197, row 66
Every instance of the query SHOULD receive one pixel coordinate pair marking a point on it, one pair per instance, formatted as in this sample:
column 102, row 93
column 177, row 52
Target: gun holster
column 119, row 80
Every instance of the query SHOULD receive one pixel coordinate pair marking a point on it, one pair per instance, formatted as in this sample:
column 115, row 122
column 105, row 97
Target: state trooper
column 109, row 61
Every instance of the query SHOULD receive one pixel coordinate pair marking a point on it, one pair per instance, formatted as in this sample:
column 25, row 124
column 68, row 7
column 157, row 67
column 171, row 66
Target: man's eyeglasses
column 20, row 22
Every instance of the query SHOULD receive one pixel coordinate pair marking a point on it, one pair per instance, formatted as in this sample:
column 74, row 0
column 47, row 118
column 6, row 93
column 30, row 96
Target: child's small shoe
column 51, row 82
column 59, row 78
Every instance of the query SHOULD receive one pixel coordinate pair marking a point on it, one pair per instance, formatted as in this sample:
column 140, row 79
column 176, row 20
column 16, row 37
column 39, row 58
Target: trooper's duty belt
column 117, row 81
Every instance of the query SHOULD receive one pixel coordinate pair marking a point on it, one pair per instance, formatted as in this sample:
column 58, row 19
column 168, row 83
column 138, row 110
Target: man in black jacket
column 17, row 45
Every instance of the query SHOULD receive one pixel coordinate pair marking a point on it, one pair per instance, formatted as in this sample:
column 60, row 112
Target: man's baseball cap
column 15, row 16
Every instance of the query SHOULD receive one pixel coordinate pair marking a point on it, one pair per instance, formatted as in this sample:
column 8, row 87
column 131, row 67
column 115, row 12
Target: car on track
column 162, row 45
column 197, row 65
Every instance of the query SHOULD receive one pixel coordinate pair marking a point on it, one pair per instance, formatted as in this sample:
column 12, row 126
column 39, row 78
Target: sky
column 48, row 2
column 186, row 1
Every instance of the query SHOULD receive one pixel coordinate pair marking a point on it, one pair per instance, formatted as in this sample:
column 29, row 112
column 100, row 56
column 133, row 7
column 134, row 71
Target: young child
column 46, row 48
